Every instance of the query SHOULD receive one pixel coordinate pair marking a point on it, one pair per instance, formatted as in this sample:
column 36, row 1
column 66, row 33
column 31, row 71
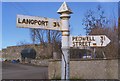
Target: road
column 20, row 71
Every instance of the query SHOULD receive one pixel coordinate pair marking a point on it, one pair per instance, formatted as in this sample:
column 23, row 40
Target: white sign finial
column 64, row 8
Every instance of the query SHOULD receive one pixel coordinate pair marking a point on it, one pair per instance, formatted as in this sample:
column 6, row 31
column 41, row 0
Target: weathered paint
column 25, row 21
column 64, row 12
column 89, row 41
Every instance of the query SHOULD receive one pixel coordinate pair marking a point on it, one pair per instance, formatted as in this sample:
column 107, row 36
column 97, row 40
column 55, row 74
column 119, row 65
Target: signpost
column 64, row 12
column 38, row 22
column 62, row 25
column 89, row 41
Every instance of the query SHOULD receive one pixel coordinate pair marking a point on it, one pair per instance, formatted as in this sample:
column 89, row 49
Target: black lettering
column 46, row 23
column 58, row 24
column 74, row 39
column 73, row 44
column 39, row 22
column 80, row 44
column 101, row 40
column 43, row 23
column 54, row 24
column 83, row 38
column 35, row 21
column 27, row 21
column 19, row 20
column 85, row 43
column 80, row 38
column 89, row 43
column 87, row 38
column 32, row 21
column 93, row 39
column 23, row 21
column 90, row 38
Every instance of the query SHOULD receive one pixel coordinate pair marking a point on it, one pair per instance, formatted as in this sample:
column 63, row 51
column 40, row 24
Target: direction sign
column 24, row 21
column 89, row 41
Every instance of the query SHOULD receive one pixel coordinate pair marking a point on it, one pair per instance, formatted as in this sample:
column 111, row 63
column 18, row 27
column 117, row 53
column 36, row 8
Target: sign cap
column 64, row 8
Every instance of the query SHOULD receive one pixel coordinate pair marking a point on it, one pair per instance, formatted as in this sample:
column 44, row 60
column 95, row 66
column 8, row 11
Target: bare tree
column 96, row 24
column 38, row 36
column 94, row 19
column 119, row 34
column 50, row 39
column 111, row 50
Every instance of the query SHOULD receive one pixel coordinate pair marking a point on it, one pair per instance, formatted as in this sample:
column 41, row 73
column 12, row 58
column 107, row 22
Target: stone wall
column 86, row 69
column 14, row 52
column 40, row 62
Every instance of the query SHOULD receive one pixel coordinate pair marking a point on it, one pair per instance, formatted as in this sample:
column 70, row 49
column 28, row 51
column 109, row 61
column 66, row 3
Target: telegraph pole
column 65, row 12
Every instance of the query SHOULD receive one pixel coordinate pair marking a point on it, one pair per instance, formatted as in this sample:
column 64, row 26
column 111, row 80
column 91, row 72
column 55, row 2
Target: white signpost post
column 89, row 41
column 62, row 25
column 64, row 12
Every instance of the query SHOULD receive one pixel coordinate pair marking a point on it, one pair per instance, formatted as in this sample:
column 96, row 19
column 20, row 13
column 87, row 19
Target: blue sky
column 11, row 35
column 60, row 0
